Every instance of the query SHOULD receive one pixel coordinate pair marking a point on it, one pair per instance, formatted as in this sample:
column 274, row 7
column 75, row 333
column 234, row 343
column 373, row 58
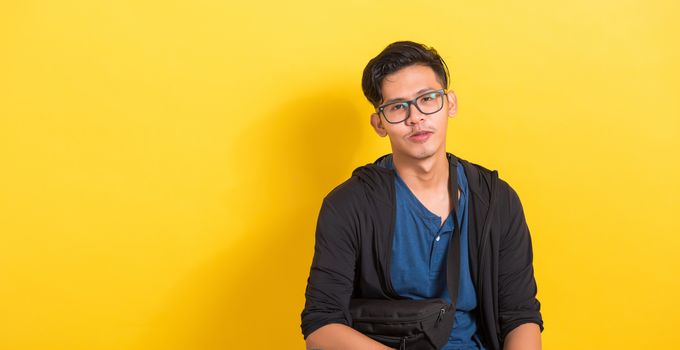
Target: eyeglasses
column 428, row 103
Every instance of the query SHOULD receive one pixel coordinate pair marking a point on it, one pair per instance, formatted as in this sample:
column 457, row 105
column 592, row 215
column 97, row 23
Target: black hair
column 396, row 56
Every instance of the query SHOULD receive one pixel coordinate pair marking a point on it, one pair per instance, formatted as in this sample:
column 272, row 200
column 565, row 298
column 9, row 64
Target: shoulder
column 368, row 183
column 347, row 192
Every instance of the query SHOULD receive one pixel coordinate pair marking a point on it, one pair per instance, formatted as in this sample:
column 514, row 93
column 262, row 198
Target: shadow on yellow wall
column 307, row 145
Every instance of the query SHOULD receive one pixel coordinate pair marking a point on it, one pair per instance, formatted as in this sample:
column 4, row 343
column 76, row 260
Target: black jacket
column 354, row 244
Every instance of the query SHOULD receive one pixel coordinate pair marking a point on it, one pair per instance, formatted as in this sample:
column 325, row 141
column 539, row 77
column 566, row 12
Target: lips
column 420, row 136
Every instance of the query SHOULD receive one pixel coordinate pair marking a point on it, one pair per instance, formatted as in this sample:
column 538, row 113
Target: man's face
column 421, row 135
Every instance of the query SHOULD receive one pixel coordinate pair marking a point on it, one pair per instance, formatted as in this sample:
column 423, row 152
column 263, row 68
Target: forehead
column 408, row 81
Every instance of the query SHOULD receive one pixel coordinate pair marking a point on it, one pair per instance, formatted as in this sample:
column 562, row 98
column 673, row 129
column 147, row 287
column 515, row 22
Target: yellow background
column 163, row 162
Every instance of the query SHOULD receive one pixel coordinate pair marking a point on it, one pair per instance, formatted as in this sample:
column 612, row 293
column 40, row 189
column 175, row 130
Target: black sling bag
column 414, row 324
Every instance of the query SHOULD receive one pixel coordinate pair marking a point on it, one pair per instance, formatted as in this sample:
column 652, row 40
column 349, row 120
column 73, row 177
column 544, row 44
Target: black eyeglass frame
column 381, row 109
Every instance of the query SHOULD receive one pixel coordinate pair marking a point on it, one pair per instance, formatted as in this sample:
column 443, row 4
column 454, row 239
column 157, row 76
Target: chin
column 419, row 154
column 424, row 154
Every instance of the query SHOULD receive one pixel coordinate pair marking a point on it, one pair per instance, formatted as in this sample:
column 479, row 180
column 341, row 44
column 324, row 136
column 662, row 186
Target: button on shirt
column 418, row 266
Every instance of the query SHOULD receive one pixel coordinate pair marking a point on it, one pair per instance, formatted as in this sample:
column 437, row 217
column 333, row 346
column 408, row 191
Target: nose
column 414, row 115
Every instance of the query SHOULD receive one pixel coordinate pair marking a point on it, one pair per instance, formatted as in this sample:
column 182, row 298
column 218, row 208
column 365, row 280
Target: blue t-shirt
column 418, row 266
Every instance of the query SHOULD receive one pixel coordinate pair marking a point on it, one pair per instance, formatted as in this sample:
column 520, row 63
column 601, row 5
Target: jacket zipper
column 485, row 238
column 440, row 316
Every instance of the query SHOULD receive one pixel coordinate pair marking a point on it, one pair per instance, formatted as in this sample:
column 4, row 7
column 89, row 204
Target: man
column 384, row 233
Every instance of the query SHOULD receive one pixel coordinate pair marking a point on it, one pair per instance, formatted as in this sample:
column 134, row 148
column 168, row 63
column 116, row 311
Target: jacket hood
column 378, row 177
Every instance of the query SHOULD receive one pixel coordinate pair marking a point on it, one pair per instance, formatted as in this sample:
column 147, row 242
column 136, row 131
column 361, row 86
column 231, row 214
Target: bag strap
column 453, row 253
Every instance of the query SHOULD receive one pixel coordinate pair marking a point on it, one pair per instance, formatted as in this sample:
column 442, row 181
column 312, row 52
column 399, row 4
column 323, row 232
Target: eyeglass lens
column 429, row 103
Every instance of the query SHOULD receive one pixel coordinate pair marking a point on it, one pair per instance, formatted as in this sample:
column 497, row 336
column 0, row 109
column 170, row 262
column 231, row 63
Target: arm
column 325, row 319
column 519, row 311
column 524, row 337
column 338, row 336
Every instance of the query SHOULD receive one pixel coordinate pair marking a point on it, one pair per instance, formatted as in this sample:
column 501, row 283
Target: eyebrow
column 405, row 99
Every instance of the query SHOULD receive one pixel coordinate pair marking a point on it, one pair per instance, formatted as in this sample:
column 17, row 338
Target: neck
column 430, row 173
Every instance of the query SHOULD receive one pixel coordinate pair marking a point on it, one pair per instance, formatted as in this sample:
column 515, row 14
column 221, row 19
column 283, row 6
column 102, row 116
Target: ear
column 378, row 125
column 452, row 107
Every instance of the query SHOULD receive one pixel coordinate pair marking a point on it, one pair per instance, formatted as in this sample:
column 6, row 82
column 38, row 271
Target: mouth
column 420, row 136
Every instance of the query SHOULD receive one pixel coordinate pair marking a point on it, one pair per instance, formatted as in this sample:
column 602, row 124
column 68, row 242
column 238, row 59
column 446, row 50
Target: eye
column 429, row 97
column 396, row 107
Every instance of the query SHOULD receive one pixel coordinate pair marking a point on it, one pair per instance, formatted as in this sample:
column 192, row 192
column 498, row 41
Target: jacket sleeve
column 331, row 277
column 517, row 303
